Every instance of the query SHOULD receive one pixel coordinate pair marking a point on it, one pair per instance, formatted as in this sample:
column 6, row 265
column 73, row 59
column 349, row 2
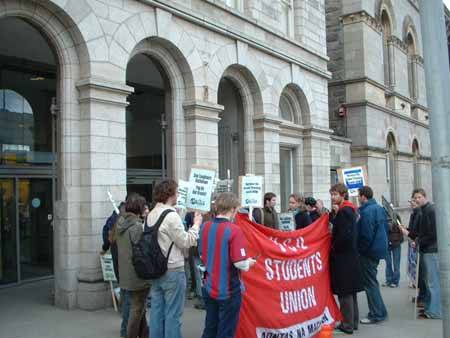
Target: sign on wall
column 201, row 183
column 251, row 191
column 353, row 178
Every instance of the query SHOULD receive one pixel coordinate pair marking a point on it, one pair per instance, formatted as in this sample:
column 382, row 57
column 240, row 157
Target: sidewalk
column 25, row 312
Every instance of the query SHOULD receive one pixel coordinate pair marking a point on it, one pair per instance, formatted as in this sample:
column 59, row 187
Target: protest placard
column 286, row 221
column 251, row 191
column 354, row 178
column 183, row 191
column 108, row 268
column 201, row 182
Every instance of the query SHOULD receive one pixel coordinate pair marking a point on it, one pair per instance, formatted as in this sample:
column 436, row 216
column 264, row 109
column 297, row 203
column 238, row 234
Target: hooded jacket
column 129, row 228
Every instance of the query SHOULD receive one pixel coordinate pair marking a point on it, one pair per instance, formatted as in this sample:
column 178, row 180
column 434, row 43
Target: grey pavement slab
column 26, row 312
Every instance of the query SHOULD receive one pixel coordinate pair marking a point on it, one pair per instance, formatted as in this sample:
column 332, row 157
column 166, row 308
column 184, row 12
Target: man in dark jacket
column 311, row 206
column 344, row 261
column 372, row 246
column 427, row 239
column 395, row 238
column 268, row 215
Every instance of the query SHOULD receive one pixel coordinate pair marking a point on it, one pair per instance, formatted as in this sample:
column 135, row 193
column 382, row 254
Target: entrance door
column 8, row 232
column 35, row 224
column 26, row 233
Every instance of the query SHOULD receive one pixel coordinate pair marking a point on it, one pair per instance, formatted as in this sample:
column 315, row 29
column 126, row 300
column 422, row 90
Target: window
column 411, row 51
column 391, row 168
column 287, row 17
column 386, row 28
column 416, row 174
column 286, row 176
column 286, row 108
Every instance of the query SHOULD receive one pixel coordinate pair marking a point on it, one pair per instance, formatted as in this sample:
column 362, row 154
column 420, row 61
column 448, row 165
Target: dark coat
column 266, row 216
column 372, row 230
column 426, row 230
column 344, row 261
column 302, row 219
column 395, row 235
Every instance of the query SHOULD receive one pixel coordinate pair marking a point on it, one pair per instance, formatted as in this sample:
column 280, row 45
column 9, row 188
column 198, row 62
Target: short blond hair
column 226, row 202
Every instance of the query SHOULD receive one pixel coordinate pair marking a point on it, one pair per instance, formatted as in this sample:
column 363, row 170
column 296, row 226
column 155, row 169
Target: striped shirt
column 221, row 244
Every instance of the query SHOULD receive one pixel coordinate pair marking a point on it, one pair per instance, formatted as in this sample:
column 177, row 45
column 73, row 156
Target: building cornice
column 397, row 42
column 361, row 16
column 366, row 103
column 217, row 27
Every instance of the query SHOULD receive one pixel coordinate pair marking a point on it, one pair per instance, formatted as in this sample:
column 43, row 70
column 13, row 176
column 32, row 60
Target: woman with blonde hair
column 298, row 207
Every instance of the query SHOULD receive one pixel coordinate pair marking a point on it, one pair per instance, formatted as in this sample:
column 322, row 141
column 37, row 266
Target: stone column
column 103, row 168
column 202, row 134
column 316, row 159
column 267, row 151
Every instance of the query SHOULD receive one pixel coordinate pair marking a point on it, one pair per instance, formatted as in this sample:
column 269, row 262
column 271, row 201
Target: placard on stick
column 183, row 191
column 287, row 221
column 201, row 183
column 353, row 178
column 251, row 191
column 108, row 268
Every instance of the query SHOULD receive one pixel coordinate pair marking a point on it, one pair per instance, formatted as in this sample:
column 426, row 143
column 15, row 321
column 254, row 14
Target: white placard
column 286, row 221
column 201, row 182
column 354, row 179
column 108, row 268
column 251, row 191
column 223, row 186
column 183, row 191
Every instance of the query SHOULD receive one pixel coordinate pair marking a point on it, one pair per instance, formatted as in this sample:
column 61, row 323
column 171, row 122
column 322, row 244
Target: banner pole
column 416, row 293
column 250, row 213
column 113, row 296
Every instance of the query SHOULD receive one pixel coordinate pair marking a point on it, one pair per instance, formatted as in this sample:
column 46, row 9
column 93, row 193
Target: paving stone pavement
column 26, row 312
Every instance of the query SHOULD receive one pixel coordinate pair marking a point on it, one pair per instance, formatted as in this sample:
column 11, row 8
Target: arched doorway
column 148, row 119
column 28, row 87
column 231, row 132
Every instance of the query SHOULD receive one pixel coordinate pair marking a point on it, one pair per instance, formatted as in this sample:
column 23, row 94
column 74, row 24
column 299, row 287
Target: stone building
column 377, row 96
column 113, row 95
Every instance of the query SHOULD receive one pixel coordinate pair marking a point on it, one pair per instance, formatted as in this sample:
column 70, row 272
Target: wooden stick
column 113, row 296
column 250, row 213
column 416, row 293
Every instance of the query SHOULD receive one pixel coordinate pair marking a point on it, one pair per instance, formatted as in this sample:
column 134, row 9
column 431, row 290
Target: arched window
column 411, row 52
column 391, row 168
column 416, row 155
column 387, row 32
column 286, row 108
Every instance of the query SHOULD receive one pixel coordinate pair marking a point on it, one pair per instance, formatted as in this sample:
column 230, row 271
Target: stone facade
column 378, row 85
column 262, row 46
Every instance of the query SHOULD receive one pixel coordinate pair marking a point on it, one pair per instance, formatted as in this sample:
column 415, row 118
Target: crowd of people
column 210, row 252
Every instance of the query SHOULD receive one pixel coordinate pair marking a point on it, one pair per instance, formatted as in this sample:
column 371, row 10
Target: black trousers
column 350, row 311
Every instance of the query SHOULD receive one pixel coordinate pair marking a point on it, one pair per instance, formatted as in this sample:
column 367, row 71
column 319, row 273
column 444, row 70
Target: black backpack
column 148, row 260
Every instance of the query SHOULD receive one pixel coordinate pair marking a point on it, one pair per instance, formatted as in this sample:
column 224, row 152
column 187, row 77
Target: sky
column 447, row 3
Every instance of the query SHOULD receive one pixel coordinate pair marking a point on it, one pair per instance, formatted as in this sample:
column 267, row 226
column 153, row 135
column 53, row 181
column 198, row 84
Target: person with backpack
column 168, row 291
column 395, row 239
column 267, row 215
column 128, row 231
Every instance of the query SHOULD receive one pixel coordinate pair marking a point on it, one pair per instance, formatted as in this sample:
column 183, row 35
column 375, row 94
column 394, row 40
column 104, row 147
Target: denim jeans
column 125, row 299
column 377, row 309
column 433, row 301
column 168, row 295
column 222, row 316
column 393, row 265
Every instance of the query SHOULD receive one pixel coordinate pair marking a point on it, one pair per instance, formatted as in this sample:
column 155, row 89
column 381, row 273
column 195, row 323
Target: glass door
column 35, row 224
column 8, row 232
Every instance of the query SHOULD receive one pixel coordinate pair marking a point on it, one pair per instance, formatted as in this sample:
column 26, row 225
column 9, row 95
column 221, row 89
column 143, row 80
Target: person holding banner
column 268, row 215
column 129, row 228
column 298, row 207
column 344, row 261
column 224, row 253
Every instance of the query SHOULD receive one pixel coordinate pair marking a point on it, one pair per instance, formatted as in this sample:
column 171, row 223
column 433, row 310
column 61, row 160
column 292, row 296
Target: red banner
column 288, row 292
